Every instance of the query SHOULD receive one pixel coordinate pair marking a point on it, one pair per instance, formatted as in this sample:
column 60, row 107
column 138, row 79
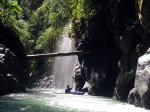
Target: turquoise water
column 56, row 101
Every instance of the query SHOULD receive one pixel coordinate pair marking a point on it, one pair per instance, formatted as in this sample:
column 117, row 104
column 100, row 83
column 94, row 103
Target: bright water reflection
column 55, row 101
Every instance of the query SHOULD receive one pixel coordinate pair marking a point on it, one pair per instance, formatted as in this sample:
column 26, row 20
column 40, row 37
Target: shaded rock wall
column 101, row 63
column 11, row 41
column 137, row 45
column 13, row 62
column 116, row 38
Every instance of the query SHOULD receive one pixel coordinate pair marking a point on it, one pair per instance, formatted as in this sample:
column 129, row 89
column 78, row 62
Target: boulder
column 140, row 95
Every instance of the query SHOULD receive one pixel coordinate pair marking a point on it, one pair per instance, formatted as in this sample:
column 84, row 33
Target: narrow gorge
column 116, row 35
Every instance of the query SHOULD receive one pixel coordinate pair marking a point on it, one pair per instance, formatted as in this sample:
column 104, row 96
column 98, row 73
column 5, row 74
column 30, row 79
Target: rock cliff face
column 100, row 65
column 13, row 62
column 140, row 94
column 116, row 38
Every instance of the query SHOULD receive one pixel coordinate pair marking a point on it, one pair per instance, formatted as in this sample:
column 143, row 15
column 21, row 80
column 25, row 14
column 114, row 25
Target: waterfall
column 63, row 67
column 61, row 71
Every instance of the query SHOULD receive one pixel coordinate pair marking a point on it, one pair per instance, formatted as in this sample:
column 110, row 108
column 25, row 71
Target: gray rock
column 140, row 95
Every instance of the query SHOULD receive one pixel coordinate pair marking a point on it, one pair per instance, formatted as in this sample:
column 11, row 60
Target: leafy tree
column 9, row 10
column 39, row 27
column 51, row 16
column 82, row 9
column 11, row 15
column 39, row 23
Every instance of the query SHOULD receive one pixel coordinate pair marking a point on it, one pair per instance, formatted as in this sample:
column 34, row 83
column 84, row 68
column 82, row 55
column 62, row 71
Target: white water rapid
column 54, row 101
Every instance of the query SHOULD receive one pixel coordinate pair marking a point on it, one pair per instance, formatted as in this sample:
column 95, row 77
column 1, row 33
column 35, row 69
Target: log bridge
column 33, row 56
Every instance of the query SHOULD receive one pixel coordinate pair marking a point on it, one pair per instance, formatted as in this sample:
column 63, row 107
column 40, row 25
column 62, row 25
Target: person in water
column 68, row 90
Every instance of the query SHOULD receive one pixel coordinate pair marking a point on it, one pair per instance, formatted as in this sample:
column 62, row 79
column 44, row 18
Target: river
column 52, row 100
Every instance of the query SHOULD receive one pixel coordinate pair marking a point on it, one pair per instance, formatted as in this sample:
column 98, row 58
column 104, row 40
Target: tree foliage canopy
column 9, row 8
column 39, row 27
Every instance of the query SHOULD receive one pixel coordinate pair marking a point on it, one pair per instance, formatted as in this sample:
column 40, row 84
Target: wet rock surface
column 140, row 95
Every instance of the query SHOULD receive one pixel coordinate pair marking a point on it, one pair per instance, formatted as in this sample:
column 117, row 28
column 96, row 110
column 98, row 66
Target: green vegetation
column 11, row 15
column 140, row 5
column 9, row 10
column 40, row 23
column 82, row 9
column 46, row 23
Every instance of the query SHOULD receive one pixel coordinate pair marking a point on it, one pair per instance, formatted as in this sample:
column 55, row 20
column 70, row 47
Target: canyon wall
column 116, row 36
